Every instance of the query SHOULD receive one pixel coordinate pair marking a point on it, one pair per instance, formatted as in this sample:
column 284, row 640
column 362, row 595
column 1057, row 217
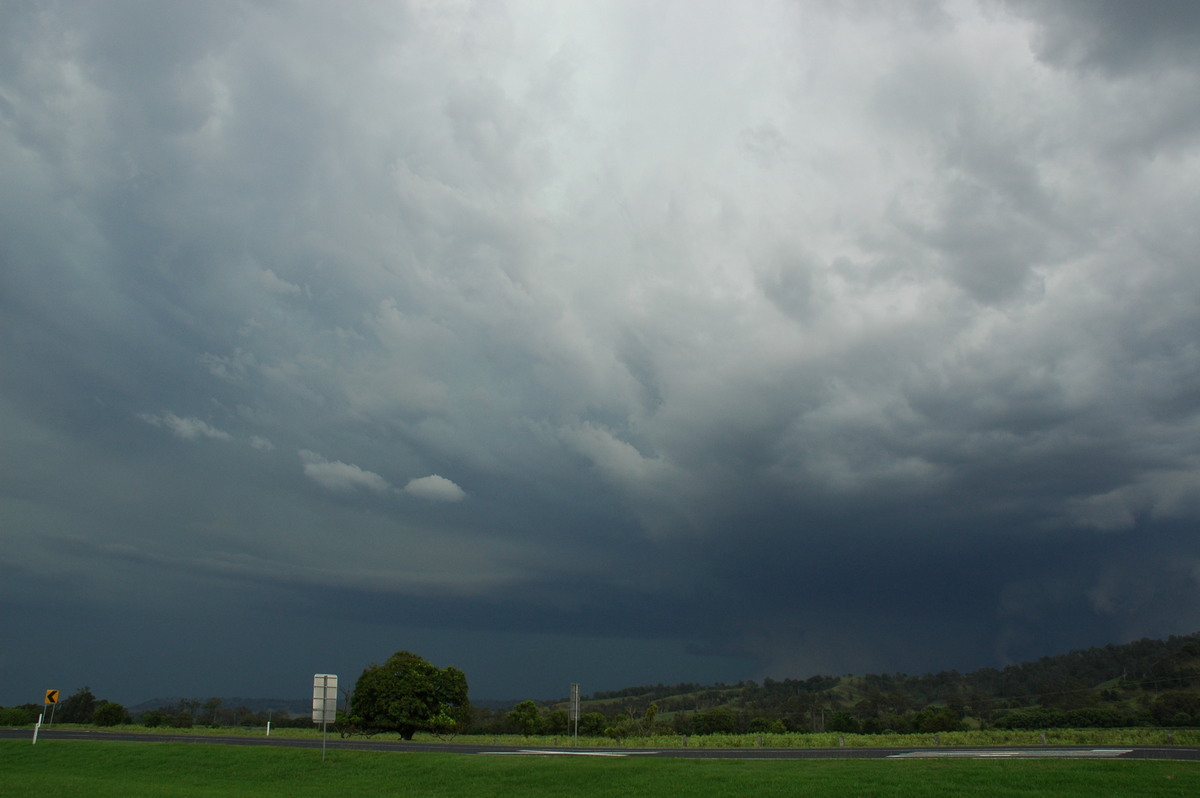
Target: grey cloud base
column 607, row 342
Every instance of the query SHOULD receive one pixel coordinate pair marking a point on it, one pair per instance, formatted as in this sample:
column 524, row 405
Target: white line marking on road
column 533, row 752
column 1018, row 754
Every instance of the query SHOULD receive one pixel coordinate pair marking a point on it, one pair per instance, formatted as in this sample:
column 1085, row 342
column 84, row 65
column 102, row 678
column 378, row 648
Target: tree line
column 1143, row 683
column 82, row 706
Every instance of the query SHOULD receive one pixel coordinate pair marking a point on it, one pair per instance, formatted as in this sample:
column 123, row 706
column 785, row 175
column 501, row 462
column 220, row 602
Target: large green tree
column 526, row 717
column 406, row 694
column 78, row 707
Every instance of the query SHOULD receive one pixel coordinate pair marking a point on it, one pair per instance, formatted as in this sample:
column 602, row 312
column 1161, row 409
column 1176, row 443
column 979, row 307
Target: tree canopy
column 526, row 716
column 406, row 694
column 110, row 713
column 78, row 707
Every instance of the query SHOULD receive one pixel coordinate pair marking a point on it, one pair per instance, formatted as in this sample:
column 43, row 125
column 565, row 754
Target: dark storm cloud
column 1114, row 36
column 730, row 343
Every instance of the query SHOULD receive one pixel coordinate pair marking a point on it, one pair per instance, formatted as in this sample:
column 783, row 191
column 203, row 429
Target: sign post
column 324, row 704
column 52, row 700
column 574, row 709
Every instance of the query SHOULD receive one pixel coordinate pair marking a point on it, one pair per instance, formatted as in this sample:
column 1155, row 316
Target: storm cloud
column 611, row 342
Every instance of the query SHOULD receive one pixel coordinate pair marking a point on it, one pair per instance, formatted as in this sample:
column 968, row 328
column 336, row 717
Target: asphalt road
column 334, row 743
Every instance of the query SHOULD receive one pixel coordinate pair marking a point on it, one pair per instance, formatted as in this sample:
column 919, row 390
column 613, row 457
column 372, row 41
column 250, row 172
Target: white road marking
column 559, row 752
column 1045, row 753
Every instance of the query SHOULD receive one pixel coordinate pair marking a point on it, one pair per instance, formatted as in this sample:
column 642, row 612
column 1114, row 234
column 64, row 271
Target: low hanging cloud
column 189, row 429
column 435, row 488
column 339, row 476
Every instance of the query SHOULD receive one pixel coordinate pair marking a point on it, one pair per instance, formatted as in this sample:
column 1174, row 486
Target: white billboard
column 324, row 697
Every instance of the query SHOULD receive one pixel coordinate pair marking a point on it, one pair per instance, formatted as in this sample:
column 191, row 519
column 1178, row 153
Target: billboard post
column 324, row 704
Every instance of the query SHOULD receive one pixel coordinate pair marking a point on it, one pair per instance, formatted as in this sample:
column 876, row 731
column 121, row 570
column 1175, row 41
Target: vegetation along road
column 1184, row 753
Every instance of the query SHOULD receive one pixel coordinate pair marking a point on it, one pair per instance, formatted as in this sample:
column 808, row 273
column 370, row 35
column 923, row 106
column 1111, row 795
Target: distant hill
column 293, row 706
column 1144, row 682
column 278, row 706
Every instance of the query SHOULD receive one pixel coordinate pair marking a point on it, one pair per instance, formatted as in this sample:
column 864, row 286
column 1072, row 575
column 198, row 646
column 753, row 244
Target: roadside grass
column 1023, row 737
column 131, row 770
column 1098, row 737
column 1015, row 737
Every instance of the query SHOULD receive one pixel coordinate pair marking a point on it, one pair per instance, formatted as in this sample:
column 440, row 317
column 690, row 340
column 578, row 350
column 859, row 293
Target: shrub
column 592, row 724
column 715, row 721
column 945, row 720
column 1167, row 707
column 16, row 716
column 1034, row 718
column 1094, row 717
column 180, row 720
column 842, row 722
column 110, row 713
column 760, row 724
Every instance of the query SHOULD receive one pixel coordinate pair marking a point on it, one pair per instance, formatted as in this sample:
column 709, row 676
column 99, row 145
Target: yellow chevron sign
column 51, row 696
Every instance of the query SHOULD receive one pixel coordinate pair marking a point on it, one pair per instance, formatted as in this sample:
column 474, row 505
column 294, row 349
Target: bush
column 110, row 713
column 682, row 723
column 1168, row 707
column 180, row 720
column 759, row 725
column 1094, row 718
column 16, row 716
column 1034, row 718
column 842, row 722
column 715, row 721
column 931, row 721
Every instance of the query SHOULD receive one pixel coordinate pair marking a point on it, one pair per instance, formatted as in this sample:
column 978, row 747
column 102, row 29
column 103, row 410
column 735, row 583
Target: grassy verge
column 1098, row 737
column 129, row 770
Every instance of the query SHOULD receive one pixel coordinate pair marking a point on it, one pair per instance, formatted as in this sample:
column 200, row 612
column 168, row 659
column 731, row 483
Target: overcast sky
column 600, row 342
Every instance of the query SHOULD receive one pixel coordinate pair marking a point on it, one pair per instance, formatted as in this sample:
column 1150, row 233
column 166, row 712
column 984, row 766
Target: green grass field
column 1097, row 737
column 130, row 770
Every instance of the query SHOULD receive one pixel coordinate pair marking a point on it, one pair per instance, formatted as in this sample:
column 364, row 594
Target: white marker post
column 36, row 727
column 324, row 704
column 574, row 709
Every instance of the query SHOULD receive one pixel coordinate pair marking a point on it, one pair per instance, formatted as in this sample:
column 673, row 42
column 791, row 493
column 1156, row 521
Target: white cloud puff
column 435, row 488
column 261, row 443
column 341, row 476
column 187, row 428
column 276, row 284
